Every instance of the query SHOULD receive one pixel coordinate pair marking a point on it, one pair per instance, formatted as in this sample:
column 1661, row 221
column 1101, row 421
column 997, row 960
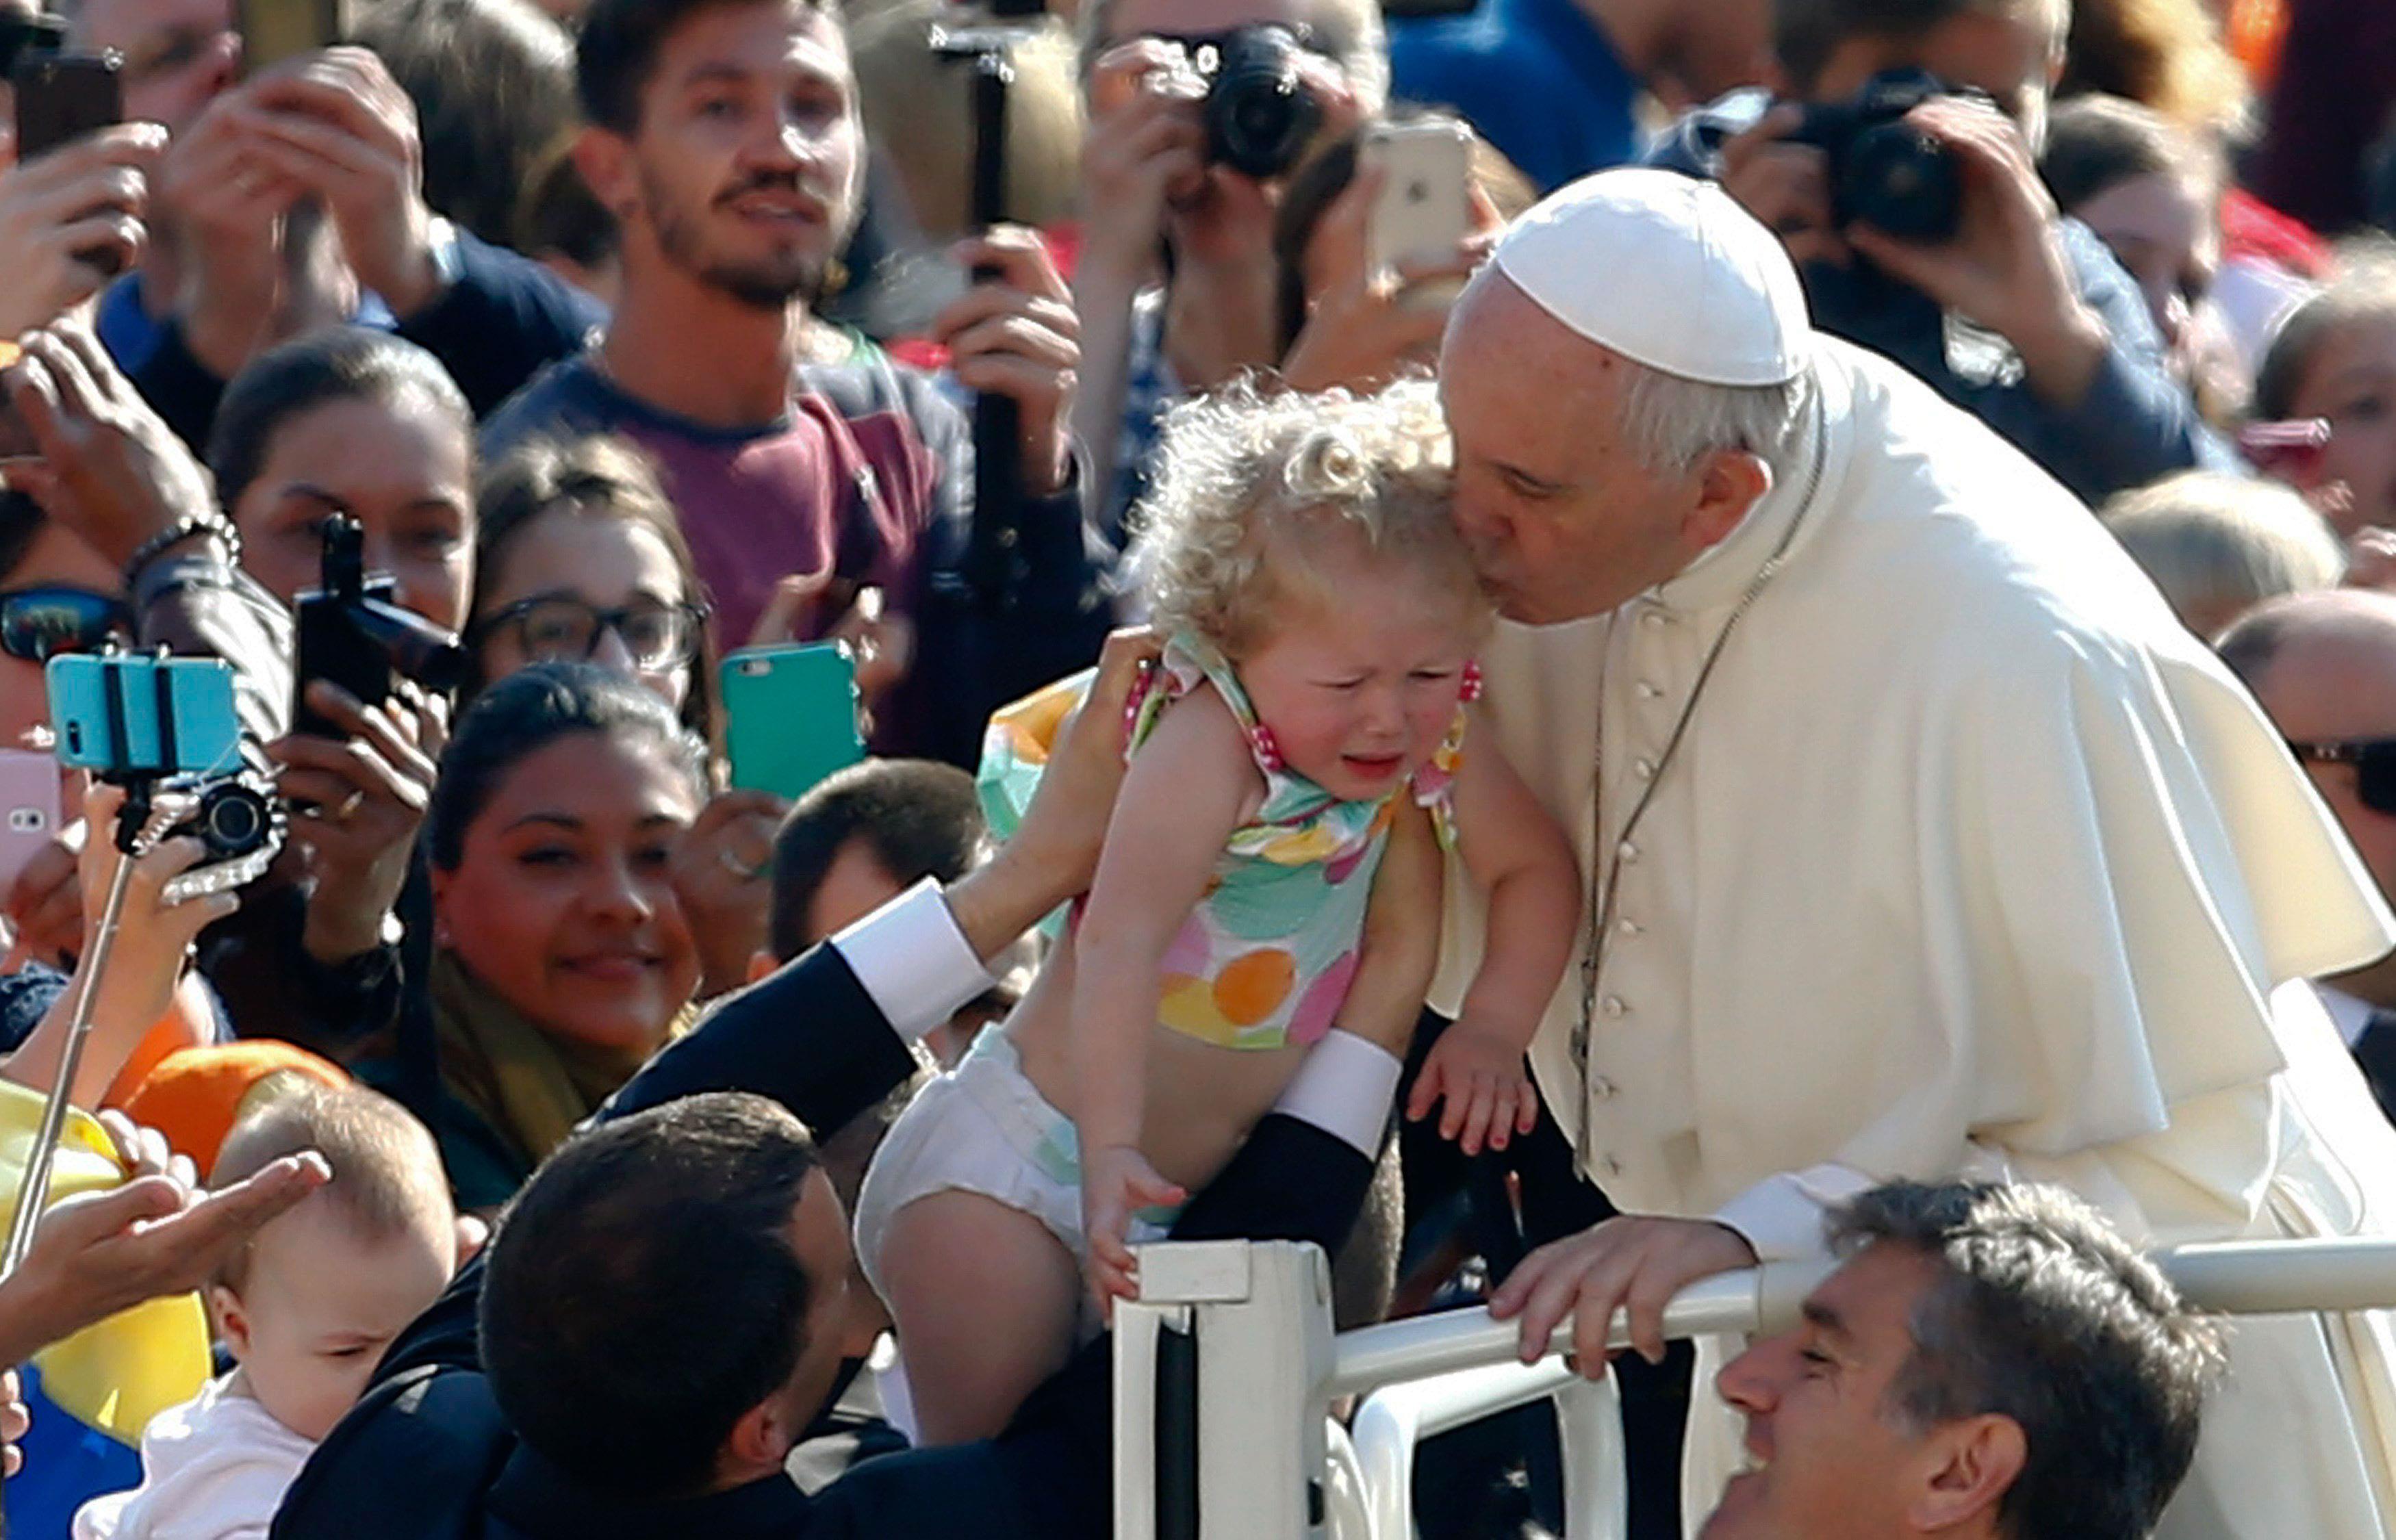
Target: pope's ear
column 1729, row 482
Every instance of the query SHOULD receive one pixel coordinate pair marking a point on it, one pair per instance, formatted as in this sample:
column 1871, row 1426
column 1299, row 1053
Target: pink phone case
column 29, row 808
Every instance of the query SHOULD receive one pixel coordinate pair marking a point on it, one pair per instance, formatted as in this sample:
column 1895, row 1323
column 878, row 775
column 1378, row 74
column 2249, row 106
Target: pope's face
column 1563, row 518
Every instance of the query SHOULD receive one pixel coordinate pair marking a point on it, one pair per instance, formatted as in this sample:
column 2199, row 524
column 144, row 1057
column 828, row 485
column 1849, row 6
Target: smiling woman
column 562, row 959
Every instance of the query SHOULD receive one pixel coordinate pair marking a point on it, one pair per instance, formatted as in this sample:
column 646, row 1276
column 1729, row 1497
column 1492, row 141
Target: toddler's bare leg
column 985, row 1300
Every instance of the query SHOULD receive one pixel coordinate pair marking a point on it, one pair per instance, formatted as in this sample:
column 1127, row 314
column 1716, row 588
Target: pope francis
column 1920, row 840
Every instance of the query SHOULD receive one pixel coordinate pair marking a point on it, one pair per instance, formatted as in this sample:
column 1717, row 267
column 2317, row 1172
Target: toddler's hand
column 1117, row 1182
column 1479, row 1071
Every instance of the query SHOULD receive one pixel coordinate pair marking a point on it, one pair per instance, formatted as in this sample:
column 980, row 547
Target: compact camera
column 1259, row 114
column 1885, row 171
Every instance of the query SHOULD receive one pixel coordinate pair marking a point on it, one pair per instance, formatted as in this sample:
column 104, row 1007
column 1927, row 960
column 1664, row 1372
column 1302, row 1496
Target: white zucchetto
column 1668, row 271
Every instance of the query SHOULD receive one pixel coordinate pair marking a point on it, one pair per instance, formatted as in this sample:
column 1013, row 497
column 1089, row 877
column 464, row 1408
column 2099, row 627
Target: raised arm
column 1185, row 792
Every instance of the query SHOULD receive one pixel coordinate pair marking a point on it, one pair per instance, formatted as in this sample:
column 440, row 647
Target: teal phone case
column 790, row 715
column 197, row 694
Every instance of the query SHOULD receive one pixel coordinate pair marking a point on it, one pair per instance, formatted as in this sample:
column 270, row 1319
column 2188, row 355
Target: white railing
column 1261, row 1461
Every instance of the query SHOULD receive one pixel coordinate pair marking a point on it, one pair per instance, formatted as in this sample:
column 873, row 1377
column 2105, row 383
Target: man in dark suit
column 664, row 1309
column 2323, row 668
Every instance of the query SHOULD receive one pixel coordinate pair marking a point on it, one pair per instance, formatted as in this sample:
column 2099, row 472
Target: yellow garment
column 530, row 1086
column 117, row 1374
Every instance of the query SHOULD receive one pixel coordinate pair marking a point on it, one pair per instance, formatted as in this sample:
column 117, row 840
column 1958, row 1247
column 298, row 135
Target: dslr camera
column 351, row 633
column 1259, row 114
column 1885, row 172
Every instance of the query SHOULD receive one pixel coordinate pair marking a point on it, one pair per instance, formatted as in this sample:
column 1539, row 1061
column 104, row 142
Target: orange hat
column 195, row 1095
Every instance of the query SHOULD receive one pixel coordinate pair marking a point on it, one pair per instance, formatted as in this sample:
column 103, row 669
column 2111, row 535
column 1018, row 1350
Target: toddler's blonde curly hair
column 1252, row 484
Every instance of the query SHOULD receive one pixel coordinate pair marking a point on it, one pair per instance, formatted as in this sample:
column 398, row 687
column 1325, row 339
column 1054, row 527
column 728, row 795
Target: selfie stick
column 998, row 419
column 34, row 1188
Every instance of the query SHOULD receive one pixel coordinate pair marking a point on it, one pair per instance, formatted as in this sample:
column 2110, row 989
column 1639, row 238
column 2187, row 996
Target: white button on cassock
column 1613, row 1006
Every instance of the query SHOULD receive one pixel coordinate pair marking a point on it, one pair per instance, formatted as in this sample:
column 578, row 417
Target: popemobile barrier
column 1227, row 1369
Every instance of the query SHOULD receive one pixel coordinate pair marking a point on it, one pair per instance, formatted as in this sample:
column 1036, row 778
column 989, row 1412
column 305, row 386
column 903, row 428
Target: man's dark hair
column 642, row 1296
column 559, row 215
column 1807, row 33
column 338, row 364
column 524, row 713
column 918, row 818
column 493, row 84
column 617, row 51
column 2043, row 1314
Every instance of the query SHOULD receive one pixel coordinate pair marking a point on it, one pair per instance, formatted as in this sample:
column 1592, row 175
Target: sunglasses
column 37, row 624
column 2374, row 768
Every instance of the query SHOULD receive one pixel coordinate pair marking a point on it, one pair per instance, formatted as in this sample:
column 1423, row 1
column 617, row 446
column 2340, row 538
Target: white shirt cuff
column 914, row 961
column 1783, row 1216
column 1345, row 1087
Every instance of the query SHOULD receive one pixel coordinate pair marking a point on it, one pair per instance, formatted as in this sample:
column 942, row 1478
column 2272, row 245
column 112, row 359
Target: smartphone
column 1424, row 205
column 62, row 97
column 115, row 712
column 273, row 31
column 29, row 808
column 789, row 716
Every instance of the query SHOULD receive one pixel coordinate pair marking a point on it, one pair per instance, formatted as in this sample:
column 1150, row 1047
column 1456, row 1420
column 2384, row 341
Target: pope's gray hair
column 1673, row 422
column 1249, row 484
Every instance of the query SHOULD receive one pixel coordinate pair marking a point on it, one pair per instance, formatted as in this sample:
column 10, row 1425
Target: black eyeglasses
column 2374, row 767
column 553, row 626
column 38, row 623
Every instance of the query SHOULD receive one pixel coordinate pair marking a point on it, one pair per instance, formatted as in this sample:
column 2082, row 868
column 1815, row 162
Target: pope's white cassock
column 1971, row 861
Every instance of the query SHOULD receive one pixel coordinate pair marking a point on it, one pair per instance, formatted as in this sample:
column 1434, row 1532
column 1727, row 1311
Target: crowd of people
column 1816, row 678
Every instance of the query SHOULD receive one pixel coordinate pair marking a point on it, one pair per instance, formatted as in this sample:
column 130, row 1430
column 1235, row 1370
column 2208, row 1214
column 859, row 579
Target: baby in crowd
column 1321, row 616
column 306, row 1310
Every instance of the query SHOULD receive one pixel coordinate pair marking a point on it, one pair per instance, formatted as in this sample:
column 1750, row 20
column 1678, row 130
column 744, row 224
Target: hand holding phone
column 276, row 31
column 789, row 716
column 1424, row 208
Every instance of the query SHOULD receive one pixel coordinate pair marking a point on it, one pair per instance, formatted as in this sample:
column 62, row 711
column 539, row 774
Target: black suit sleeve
column 807, row 1035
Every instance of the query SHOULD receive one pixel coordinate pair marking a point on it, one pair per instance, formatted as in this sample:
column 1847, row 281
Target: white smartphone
column 29, row 808
column 1424, row 205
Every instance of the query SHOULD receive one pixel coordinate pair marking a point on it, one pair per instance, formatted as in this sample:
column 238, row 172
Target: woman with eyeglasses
column 581, row 558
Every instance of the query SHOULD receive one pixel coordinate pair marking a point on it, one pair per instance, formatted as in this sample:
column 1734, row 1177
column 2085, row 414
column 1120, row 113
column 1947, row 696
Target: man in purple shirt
column 724, row 134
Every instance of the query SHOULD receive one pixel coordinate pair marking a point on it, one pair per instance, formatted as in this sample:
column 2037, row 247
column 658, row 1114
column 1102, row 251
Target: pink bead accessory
column 1268, row 750
column 1470, row 691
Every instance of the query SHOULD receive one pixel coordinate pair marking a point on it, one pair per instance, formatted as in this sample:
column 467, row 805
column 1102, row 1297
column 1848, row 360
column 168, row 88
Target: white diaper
column 981, row 1128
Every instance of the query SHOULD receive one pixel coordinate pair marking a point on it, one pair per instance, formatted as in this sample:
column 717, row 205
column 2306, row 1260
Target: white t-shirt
column 213, row 1469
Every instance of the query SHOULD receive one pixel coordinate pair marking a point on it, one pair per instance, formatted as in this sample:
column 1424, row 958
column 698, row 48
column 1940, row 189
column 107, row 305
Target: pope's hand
column 1631, row 1262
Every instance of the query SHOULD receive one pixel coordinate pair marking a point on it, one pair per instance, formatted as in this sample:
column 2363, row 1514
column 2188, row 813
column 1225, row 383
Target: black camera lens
column 232, row 820
column 1259, row 114
column 1903, row 180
